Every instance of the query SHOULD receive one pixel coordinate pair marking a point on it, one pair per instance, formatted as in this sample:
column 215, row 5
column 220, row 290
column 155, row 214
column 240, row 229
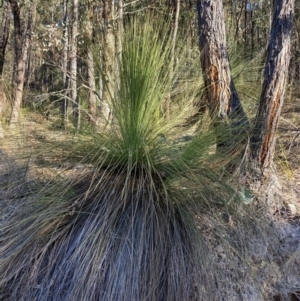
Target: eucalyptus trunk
column 92, row 101
column 4, row 34
column 65, row 64
column 273, row 89
column 108, row 60
column 223, row 100
column 92, row 87
column 27, row 40
column 120, row 28
column 175, row 31
column 73, row 67
column 21, row 56
column 19, row 74
column 174, row 38
column 119, row 41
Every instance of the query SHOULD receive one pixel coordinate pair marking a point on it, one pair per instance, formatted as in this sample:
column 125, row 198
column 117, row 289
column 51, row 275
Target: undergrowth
column 138, row 220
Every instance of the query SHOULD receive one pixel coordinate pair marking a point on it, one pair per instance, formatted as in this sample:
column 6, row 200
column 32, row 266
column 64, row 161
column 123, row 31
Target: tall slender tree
column 273, row 88
column 73, row 64
column 108, row 54
column 19, row 80
column 28, row 38
column 4, row 34
column 92, row 104
column 120, row 27
column 174, row 39
column 223, row 99
column 21, row 55
column 65, row 63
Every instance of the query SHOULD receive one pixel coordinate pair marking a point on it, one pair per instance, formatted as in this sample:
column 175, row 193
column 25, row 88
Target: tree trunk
column 92, row 103
column 65, row 64
column 4, row 34
column 27, row 42
column 119, row 42
column 120, row 29
column 223, row 100
column 245, row 34
column 108, row 61
column 238, row 16
column 272, row 95
column 19, row 77
column 73, row 68
column 92, row 87
column 174, row 38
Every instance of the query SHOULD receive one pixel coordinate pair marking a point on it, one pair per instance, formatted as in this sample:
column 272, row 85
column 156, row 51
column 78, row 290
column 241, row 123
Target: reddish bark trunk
column 272, row 95
column 222, row 96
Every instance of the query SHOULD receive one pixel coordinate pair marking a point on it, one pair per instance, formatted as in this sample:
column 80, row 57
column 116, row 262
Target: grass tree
column 126, row 226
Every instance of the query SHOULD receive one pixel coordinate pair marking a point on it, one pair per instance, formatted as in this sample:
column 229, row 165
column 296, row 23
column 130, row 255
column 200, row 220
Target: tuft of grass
column 282, row 161
column 126, row 225
column 247, row 73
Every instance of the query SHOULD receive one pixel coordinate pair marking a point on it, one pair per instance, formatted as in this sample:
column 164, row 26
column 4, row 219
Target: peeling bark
column 214, row 57
column 275, row 77
column 223, row 100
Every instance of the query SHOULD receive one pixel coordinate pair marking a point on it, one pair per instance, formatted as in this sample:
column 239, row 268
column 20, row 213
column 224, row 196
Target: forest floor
column 277, row 271
column 285, row 203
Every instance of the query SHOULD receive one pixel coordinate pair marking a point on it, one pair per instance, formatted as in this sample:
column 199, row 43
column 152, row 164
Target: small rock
column 292, row 209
